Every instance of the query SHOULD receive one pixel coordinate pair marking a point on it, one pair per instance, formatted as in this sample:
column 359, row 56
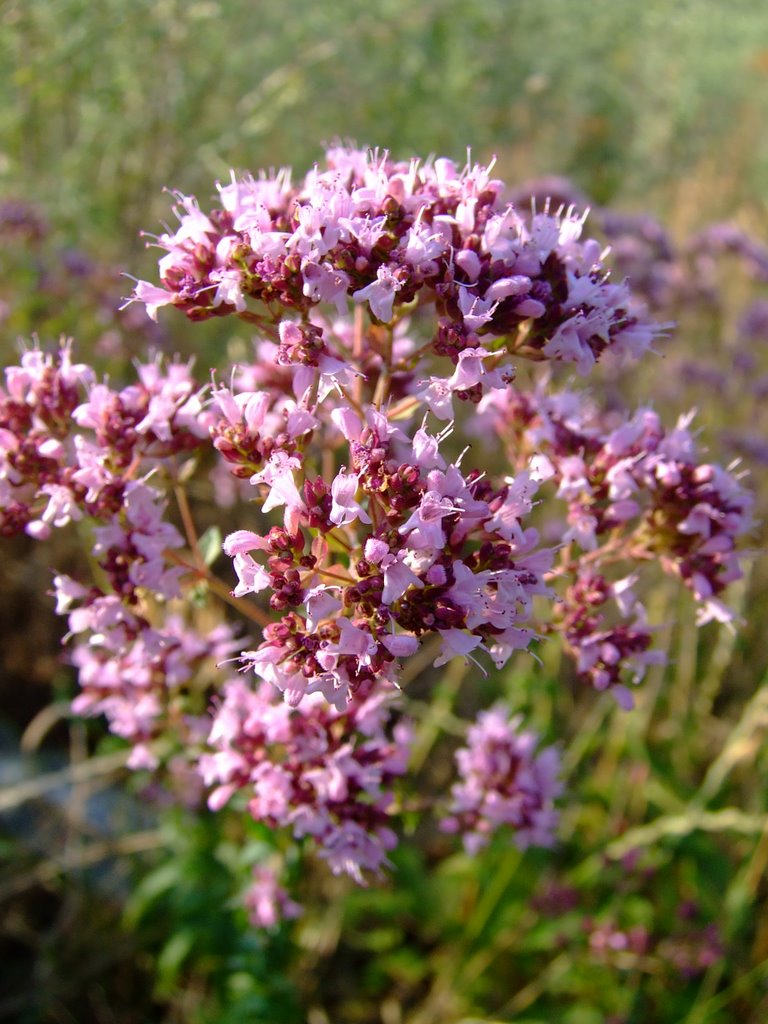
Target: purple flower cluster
column 669, row 275
column 693, row 950
column 37, row 486
column 712, row 286
column 51, row 473
column 72, row 450
column 317, row 771
column 266, row 901
column 634, row 492
column 685, row 954
column 399, row 546
column 504, row 781
column 138, row 676
column 390, row 301
column 604, row 649
column 394, row 235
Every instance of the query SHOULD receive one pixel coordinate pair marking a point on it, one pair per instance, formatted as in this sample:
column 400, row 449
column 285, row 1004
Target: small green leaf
column 210, row 545
column 172, row 957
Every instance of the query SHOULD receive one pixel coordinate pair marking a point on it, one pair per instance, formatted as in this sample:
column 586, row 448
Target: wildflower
column 266, row 901
column 333, row 775
column 504, row 782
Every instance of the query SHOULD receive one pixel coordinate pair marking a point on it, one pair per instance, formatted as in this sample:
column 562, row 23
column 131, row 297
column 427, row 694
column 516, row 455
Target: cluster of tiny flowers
column 687, row 948
column 322, row 773
column 668, row 275
column 712, row 284
column 634, row 492
column 52, row 473
column 37, row 486
column 405, row 546
column 137, row 675
column 391, row 235
column 67, row 459
column 390, row 301
column 639, row 478
column 687, row 953
column 129, row 670
column 692, row 951
column 504, row 781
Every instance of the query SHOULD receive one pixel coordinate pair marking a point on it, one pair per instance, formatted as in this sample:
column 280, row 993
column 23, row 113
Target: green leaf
column 210, row 545
column 172, row 958
column 150, row 889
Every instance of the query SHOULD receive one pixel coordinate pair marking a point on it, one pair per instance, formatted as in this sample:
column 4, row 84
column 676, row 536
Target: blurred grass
column 103, row 105
column 656, row 105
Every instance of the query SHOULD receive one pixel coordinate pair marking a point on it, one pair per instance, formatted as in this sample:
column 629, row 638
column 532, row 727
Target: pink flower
column 345, row 508
column 151, row 296
column 456, row 644
column 380, row 294
column 266, row 901
column 504, row 783
column 425, row 526
column 476, row 312
column 278, row 475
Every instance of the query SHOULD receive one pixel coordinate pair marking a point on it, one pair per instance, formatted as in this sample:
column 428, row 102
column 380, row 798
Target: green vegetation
column 103, row 105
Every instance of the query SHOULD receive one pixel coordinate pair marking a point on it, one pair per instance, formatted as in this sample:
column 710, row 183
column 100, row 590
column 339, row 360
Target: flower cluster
column 320, row 772
column 394, row 235
column 504, row 781
column 634, row 485
column 405, row 546
column 266, row 901
column 633, row 493
column 72, row 451
column 393, row 303
column 37, row 486
column 138, row 676
column 685, row 954
column 52, row 473
column 130, row 670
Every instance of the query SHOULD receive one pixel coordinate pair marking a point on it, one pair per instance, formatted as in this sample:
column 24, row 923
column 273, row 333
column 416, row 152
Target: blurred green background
column 658, row 106
column 102, row 105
